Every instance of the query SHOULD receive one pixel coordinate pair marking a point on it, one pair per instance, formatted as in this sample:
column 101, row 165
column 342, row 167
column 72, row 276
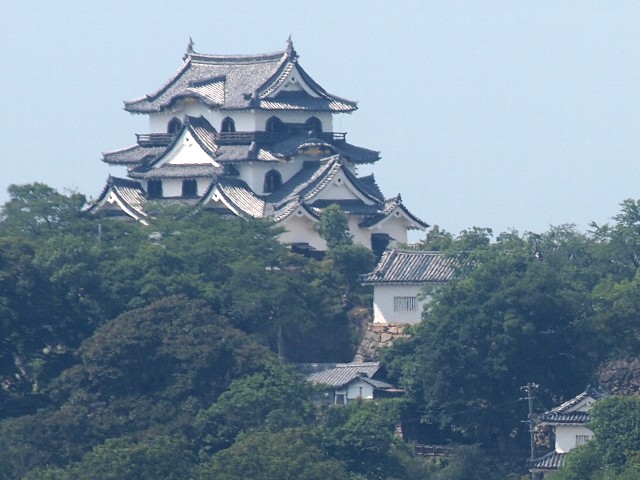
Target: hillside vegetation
column 164, row 351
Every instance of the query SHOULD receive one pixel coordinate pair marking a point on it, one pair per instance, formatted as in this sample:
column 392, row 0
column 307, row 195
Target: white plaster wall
column 383, row 304
column 171, row 187
column 341, row 189
column 187, row 152
column 246, row 121
column 354, row 392
column 299, row 229
column 253, row 173
column 393, row 226
column 361, row 236
column 261, row 117
column 566, row 436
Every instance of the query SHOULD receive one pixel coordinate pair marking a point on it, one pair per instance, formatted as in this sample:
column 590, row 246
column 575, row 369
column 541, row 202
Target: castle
column 252, row 136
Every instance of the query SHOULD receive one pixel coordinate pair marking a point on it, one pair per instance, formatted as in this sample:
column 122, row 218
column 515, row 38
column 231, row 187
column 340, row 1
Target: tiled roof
column 203, row 133
column 550, row 461
column 571, row 411
column 304, row 101
column 573, row 417
column 338, row 375
column 177, row 171
column 238, row 196
column 291, row 145
column 239, row 82
column 132, row 155
column 390, row 205
column 129, row 194
column 410, row 266
column 369, row 182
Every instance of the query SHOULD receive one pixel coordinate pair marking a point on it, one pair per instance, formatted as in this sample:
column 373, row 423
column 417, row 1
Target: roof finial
column 190, row 46
column 290, row 50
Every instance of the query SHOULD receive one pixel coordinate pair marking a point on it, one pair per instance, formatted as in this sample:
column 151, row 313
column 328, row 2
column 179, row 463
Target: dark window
column 379, row 243
column 175, row 125
column 154, row 188
column 275, row 125
column 313, row 125
column 189, row 188
column 272, row 181
column 228, row 125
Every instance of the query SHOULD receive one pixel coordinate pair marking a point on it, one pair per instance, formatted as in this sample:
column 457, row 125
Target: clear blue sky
column 504, row 114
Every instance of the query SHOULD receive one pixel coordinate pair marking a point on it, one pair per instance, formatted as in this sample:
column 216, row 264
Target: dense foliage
column 544, row 308
column 163, row 351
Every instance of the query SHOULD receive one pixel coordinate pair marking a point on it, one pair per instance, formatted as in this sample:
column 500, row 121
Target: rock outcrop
column 621, row 376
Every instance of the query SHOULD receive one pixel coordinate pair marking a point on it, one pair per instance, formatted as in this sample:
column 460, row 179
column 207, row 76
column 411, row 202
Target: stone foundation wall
column 378, row 336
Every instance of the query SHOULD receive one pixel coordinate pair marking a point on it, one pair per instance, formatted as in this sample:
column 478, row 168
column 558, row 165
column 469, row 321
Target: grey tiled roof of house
column 340, row 374
column 236, row 82
column 565, row 414
column 550, row 461
column 398, row 266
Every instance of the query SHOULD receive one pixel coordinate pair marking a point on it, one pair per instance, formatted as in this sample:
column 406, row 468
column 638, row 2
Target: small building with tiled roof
column 568, row 422
column 341, row 383
column 252, row 136
column 398, row 282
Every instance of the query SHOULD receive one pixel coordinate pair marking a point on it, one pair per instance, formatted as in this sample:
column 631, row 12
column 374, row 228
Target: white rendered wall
column 187, row 152
column 566, row 436
column 383, row 296
column 171, row 187
column 299, row 229
column 359, row 389
column 245, row 121
column 253, row 172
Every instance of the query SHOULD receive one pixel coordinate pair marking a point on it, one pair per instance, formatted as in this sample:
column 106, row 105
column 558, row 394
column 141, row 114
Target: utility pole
column 529, row 388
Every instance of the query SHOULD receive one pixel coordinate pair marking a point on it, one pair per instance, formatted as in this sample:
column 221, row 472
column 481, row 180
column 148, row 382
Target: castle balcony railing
column 154, row 139
column 235, row 138
column 226, row 138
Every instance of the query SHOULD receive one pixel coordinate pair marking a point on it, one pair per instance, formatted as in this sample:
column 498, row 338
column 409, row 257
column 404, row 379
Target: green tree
column 290, row 454
column 333, row 226
column 516, row 311
column 270, row 400
column 36, row 209
column 151, row 458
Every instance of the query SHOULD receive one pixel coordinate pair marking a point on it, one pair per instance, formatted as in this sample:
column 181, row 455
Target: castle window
column 228, row 125
column 154, row 188
column 275, row 125
column 189, row 188
column 272, row 181
column 405, row 304
column 313, row 125
column 174, row 126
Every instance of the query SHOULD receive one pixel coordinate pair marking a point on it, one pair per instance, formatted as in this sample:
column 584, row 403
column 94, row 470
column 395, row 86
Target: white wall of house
column 359, row 389
column 392, row 304
column 569, row 436
column 352, row 392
